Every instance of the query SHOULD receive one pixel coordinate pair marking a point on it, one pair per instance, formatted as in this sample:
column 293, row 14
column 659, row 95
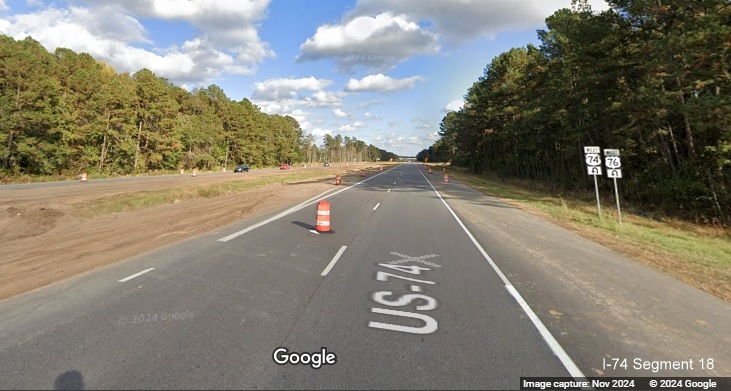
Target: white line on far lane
column 292, row 210
column 377, row 205
column 389, row 190
column 335, row 259
column 557, row 349
column 136, row 274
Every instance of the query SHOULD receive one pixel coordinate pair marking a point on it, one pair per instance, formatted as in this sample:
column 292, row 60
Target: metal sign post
column 614, row 171
column 594, row 168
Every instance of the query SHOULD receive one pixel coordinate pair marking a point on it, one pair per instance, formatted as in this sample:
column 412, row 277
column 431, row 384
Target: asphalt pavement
column 399, row 296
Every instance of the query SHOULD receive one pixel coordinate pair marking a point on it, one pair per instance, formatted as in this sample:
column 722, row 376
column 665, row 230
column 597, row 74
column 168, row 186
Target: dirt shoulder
column 45, row 240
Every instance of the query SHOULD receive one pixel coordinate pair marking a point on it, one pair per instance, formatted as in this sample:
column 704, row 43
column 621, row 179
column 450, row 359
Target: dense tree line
column 65, row 112
column 649, row 77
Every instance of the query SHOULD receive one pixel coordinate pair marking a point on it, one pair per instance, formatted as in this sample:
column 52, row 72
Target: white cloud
column 352, row 127
column 461, row 20
column 228, row 42
column 378, row 42
column 369, row 115
column 3, row 7
column 421, row 123
column 394, row 124
column 382, row 83
column 340, row 113
column 367, row 104
column 279, row 89
column 398, row 143
column 454, row 105
column 325, row 99
column 320, row 132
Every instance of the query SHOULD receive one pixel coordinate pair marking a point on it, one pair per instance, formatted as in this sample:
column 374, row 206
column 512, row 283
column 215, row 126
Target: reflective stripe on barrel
column 322, row 217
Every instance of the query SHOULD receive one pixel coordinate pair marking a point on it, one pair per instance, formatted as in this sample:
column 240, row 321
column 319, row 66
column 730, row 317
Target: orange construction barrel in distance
column 362, row 172
column 322, row 219
column 380, row 168
column 446, row 178
column 337, row 179
column 83, row 177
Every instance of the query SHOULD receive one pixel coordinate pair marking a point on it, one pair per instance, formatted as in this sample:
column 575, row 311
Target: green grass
column 139, row 200
column 698, row 255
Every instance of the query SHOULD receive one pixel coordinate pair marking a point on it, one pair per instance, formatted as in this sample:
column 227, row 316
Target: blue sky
column 382, row 71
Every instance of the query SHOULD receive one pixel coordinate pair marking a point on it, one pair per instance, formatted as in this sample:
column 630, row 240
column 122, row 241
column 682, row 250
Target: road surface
column 401, row 293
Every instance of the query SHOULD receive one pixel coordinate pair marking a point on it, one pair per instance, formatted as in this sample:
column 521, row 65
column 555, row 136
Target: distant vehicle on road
column 242, row 168
column 284, row 167
column 327, row 164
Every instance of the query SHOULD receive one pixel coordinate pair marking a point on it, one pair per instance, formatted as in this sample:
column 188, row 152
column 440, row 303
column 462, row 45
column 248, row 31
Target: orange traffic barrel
column 322, row 222
column 380, row 168
column 195, row 171
column 446, row 178
column 430, row 171
column 83, row 177
column 337, row 179
column 444, row 169
column 362, row 172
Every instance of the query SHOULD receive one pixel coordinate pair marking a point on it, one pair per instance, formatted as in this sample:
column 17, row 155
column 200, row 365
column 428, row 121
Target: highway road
column 411, row 302
column 401, row 295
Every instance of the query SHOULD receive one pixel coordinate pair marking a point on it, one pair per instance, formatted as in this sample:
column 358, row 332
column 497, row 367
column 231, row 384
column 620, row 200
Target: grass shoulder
column 698, row 255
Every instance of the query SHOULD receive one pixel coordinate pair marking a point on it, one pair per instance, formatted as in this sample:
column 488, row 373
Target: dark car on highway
column 241, row 168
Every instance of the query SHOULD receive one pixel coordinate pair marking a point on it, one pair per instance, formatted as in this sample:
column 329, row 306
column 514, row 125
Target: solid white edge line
column 377, row 205
column 292, row 210
column 567, row 362
column 332, row 262
column 136, row 275
column 389, row 190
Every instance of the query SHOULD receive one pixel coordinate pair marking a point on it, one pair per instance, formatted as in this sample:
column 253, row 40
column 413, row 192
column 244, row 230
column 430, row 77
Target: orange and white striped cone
column 337, row 179
column 322, row 218
column 380, row 168
column 430, row 171
column 362, row 172
column 83, row 177
column 446, row 178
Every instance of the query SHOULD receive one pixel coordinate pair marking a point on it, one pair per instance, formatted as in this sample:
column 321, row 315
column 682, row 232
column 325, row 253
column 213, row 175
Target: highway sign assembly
column 594, row 168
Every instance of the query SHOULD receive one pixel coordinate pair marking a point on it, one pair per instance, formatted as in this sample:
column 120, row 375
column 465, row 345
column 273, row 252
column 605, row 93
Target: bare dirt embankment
column 44, row 237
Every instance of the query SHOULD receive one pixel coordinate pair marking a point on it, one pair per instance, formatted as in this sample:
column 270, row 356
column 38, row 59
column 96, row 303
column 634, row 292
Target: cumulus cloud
column 375, row 42
column 278, row 89
column 352, row 127
column 320, row 132
column 382, row 83
column 454, row 105
column 459, row 21
column 369, row 115
column 421, row 123
column 340, row 113
column 228, row 42
column 399, row 143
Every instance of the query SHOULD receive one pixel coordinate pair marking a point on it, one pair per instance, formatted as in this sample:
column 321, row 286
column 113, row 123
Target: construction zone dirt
column 46, row 237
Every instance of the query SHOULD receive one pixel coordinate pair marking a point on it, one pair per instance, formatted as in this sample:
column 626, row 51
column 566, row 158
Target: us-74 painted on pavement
column 390, row 299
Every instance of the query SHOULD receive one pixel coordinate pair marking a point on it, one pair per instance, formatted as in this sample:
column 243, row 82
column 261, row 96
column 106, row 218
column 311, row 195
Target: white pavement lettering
column 414, row 259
